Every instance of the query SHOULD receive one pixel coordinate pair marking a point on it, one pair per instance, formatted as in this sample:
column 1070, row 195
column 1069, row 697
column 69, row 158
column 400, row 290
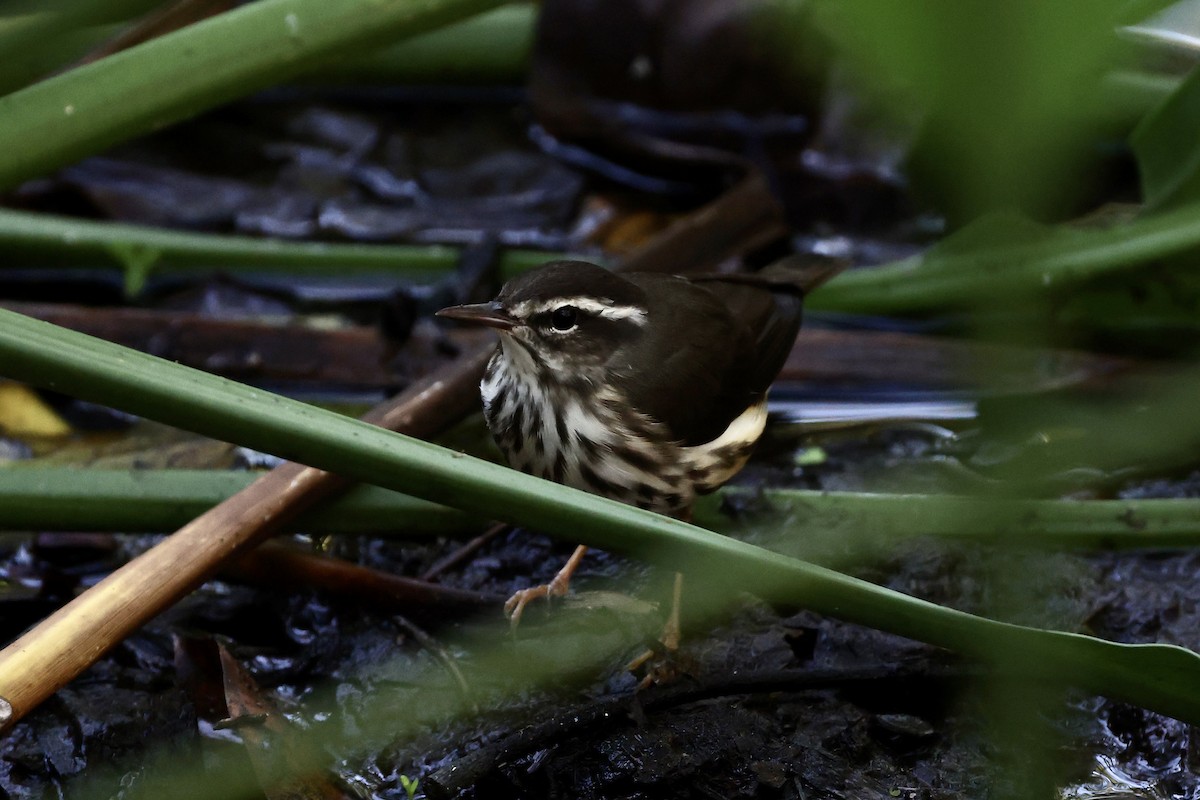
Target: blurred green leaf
column 1005, row 95
column 1167, row 146
column 1145, row 423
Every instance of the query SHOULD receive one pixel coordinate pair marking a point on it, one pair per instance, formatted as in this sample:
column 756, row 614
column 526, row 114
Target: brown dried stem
column 277, row 565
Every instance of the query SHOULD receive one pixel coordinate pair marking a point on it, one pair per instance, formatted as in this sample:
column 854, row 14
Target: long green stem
column 69, row 498
column 64, row 498
column 1159, row 677
column 969, row 276
column 141, row 250
column 147, row 87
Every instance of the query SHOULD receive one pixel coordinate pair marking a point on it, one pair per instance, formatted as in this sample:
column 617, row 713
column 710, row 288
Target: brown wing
column 770, row 304
column 716, row 347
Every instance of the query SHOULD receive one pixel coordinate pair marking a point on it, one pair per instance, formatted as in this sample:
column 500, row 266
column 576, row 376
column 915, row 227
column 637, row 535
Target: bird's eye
column 564, row 318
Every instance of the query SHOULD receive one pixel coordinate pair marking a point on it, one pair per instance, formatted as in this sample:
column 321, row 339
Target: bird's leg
column 557, row 587
column 659, row 670
column 670, row 635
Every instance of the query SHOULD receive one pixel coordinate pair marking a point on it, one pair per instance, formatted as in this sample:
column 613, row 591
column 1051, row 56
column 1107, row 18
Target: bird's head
column 568, row 317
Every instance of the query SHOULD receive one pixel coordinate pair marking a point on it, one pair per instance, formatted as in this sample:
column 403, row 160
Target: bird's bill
column 493, row 315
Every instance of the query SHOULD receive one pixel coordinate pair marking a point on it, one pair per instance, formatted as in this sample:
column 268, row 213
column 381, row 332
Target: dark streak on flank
column 560, row 422
column 590, row 448
column 602, row 486
column 517, row 426
column 535, row 418
column 637, row 459
column 500, row 401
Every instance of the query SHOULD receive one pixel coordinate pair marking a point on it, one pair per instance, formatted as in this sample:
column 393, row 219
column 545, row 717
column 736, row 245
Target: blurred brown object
column 670, row 55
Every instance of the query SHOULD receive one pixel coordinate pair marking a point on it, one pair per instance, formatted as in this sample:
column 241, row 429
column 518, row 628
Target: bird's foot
column 658, row 666
column 514, row 607
column 661, row 662
column 558, row 587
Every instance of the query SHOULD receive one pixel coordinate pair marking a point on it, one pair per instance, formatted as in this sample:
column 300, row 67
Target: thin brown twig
column 465, row 551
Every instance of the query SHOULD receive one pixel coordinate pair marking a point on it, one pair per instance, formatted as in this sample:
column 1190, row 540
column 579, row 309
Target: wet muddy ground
column 769, row 703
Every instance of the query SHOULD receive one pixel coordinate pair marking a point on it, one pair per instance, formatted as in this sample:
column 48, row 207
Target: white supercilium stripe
column 635, row 314
column 588, row 305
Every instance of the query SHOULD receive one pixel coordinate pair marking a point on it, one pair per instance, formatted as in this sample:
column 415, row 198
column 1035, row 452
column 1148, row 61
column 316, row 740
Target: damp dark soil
column 766, row 702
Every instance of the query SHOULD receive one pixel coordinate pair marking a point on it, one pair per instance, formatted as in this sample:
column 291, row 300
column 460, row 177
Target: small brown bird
column 645, row 388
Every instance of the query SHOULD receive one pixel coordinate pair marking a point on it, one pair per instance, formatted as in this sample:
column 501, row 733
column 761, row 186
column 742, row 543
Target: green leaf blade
column 35, row 352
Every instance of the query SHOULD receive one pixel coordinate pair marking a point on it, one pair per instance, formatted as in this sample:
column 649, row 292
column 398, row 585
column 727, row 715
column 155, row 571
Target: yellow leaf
column 22, row 413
